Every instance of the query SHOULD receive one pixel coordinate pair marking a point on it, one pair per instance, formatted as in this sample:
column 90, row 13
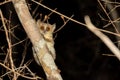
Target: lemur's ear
column 53, row 27
column 38, row 21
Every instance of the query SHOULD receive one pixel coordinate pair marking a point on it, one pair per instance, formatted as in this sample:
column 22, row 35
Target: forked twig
column 65, row 22
column 9, row 45
column 116, row 29
column 27, row 77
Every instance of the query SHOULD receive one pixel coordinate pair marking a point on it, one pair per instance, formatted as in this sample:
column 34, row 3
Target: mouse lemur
column 46, row 31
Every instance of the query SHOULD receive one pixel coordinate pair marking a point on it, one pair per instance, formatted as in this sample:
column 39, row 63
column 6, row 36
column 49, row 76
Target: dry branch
column 37, row 40
column 9, row 51
column 114, row 18
column 10, row 70
column 103, row 37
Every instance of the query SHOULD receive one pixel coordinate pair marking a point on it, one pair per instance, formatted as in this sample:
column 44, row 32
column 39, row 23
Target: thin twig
column 65, row 22
column 108, row 16
column 27, row 77
column 5, row 2
column 58, row 13
column 19, row 42
column 106, row 31
column 110, row 2
column 9, row 45
column 24, row 53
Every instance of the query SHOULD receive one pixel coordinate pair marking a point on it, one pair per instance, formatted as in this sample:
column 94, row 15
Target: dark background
column 79, row 52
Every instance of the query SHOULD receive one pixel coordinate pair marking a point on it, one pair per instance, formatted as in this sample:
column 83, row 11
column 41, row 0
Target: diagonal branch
column 103, row 37
column 37, row 40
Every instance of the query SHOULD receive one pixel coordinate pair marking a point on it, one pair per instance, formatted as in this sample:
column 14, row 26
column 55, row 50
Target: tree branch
column 30, row 26
column 103, row 37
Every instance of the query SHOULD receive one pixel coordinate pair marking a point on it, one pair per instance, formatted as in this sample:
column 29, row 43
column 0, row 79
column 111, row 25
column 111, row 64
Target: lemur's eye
column 48, row 28
column 42, row 27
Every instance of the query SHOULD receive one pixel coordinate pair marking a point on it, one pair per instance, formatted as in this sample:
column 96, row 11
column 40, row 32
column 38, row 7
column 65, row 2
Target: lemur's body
column 46, row 31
